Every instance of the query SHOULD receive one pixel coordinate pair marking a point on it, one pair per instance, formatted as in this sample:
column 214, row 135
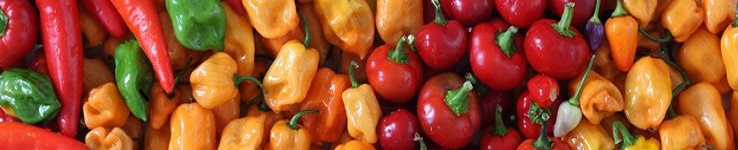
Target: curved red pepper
column 20, row 32
column 496, row 55
column 104, row 13
column 15, row 135
column 62, row 39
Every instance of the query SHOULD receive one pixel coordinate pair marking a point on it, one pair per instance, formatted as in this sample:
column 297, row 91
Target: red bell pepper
column 104, row 12
column 441, row 43
column 15, row 135
column 397, row 130
column 496, row 55
column 448, row 111
column 18, row 30
column 143, row 20
column 62, row 39
column 395, row 73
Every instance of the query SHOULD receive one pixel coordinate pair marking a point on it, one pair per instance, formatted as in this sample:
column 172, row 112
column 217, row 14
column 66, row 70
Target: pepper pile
column 312, row 74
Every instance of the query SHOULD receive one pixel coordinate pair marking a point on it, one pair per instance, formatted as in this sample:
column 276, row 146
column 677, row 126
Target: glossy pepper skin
column 19, row 28
column 622, row 35
column 105, row 108
column 102, row 139
column 682, row 132
column 214, row 81
column 647, row 93
column 505, row 138
column 583, row 9
column 133, row 74
column 718, row 14
column 325, row 96
column 60, row 35
column 590, row 137
column 397, row 18
column 468, row 12
column 729, row 49
column 398, row 130
column 631, row 142
column 441, row 43
column 192, row 127
column 395, row 72
column 105, row 13
column 556, row 144
column 641, row 10
column 703, row 101
column 496, row 55
column 290, row 135
column 682, row 18
column 162, row 105
column 23, row 136
column 594, row 30
column 543, row 90
column 225, row 113
column 27, row 95
column 198, row 24
column 362, row 109
column 355, row 144
column 289, row 77
column 239, row 40
column 247, row 132
column 347, row 24
column 521, row 13
column 448, row 111
column 528, row 128
column 700, row 57
column 272, row 18
column 600, row 98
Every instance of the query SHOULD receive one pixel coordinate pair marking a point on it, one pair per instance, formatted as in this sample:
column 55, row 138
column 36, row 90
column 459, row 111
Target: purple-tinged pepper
column 594, row 30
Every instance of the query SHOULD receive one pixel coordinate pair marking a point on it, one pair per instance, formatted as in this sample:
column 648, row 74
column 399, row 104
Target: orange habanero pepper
column 718, row 14
column 396, row 18
column 647, row 93
column 214, row 81
column 732, row 113
column 105, row 108
column 642, row 10
column 192, row 127
column 700, row 57
column 325, row 96
column 317, row 38
column 703, row 101
column 226, row 112
column 239, row 40
column 245, row 133
column 682, row 18
column 362, row 109
column 600, row 98
column 162, row 105
column 682, row 132
column 272, row 18
column 290, row 135
column 355, row 144
column 349, row 24
column 100, row 139
column 729, row 50
column 273, row 45
column 157, row 139
column 622, row 35
column 588, row 136
column 289, row 77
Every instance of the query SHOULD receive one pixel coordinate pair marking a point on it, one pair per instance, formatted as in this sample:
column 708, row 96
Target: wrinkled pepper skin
column 622, row 34
column 700, row 57
column 239, row 40
column 105, row 108
column 27, row 95
column 682, row 132
column 599, row 99
column 588, row 136
column 396, row 18
column 682, row 18
column 347, row 24
column 363, row 112
column 718, row 14
column 19, row 32
column 325, row 95
column 272, row 18
column 213, row 82
column 273, row 45
column 289, row 77
column 354, row 145
column 162, row 105
column 245, row 133
column 102, row 139
column 290, row 135
column 729, row 49
column 647, row 93
column 703, row 102
column 133, row 74
column 16, row 135
column 198, row 24
column 192, row 127
column 641, row 10
column 442, row 122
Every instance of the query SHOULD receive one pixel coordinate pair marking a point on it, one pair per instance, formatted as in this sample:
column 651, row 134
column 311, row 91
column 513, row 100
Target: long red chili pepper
column 62, row 39
column 104, row 12
column 143, row 20
column 14, row 135
column 18, row 30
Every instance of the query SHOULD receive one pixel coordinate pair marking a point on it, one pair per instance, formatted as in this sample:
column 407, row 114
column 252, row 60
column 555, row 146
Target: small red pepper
column 18, row 30
column 104, row 12
column 501, row 137
column 15, row 135
column 543, row 89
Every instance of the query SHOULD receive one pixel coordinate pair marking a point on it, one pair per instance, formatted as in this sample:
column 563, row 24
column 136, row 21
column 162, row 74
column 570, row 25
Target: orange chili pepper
column 732, row 113
column 192, row 127
column 134, row 129
column 157, row 139
column 362, row 109
column 718, row 14
column 161, row 105
column 682, row 18
column 239, row 40
column 622, row 34
column 245, row 133
column 226, row 112
column 729, row 50
column 105, row 108
column 682, row 132
column 703, row 101
column 100, row 139
column 249, row 91
column 600, row 98
column 355, row 144
column 290, row 135
column 272, row 18
column 214, row 81
column 647, row 93
column 325, row 96
column 317, row 38
column 289, row 77
column 273, row 45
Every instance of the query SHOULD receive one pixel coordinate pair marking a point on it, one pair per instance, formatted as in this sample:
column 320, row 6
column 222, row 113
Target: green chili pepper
column 198, row 24
column 134, row 76
column 29, row 95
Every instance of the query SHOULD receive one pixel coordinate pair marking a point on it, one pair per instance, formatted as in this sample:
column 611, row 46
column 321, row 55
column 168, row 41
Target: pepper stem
column 398, row 54
column 238, row 79
column 456, row 99
column 499, row 124
column 421, row 143
column 479, row 88
column 440, row 19
column 506, row 41
column 306, row 25
column 352, row 66
column 595, row 18
column 293, row 121
column 411, row 42
column 664, row 39
column 735, row 22
column 543, row 142
column 628, row 140
column 575, row 100
column 619, row 11
column 3, row 22
column 264, row 107
column 563, row 26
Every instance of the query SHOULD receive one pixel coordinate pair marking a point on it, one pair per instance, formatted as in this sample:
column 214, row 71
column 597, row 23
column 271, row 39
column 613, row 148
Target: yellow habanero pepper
column 729, row 50
column 105, row 108
column 700, row 57
column 214, row 81
column 290, row 135
column 272, row 18
column 642, row 10
column 718, row 14
column 225, row 113
column 273, row 45
column 157, row 139
column 192, row 127
column 349, row 24
column 354, row 145
column 647, row 93
column 100, row 139
column 162, row 105
column 627, row 140
column 239, row 40
column 682, row 18
column 588, row 136
column 362, row 109
column 682, row 132
column 289, row 77
column 396, row 18
column 245, row 133
column 600, row 98
column 703, row 101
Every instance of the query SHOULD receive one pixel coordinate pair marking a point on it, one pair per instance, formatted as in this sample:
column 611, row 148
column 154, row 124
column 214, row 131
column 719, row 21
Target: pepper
column 700, row 57
column 682, row 132
column 640, row 143
column 703, row 101
column 589, row 136
column 273, row 45
column 325, row 96
column 290, row 135
column 441, row 43
column 729, row 49
column 246, row 132
column 396, row 18
column 60, row 32
column 718, row 14
column 642, row 10
column 289, row 77
column 178, row 54
column 192, row 127
column 157, row 139
column 142, row 18
column 317, row 39
column 448, row 111
column 250, row 91
column 569, row 114
column 647, row 93
column 622, row 34
column 96, row 73
column 600, row 97
column 594, row 30
column 93, row 32
column 388, row 65
column 100, row 139
column 348, row 24
column 27, row 95
column 496, row 55
column 682, row 18
column 105, row 108
column 732, row 112
column 400, row 130
column 203, row 30
column 105, row 14
column 226, row 112
column 23, row 136
column 272, row 18
column 362, row 109
column 162, row 104
column 239, row 40
column 502, row 137
column 355, row 144
column 134, row 129
column 134, row 77
column 18, row 30
column 214, row 81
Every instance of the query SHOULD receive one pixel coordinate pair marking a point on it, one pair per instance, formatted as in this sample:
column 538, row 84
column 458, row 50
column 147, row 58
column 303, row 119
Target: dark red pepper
column 38, row 64
column 397, row 130
column 448, row 111
column 582, row 10
column 496, row 55
column 395, row 72
column 526, row 125
column 501, row 137
column 521, row 13
column 442, row 43
column 18, row 30
column 543, row 90
column 468, row 12
column 104, row 13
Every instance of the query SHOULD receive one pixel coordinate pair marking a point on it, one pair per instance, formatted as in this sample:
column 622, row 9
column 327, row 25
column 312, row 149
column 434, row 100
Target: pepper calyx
column 506, row 41
column 457, row 100
column 563, row 26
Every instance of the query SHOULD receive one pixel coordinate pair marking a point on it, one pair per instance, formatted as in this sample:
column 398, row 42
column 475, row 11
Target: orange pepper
column 96, row 73
column 273, row 45
column 317, row 38
column 362, row 109
column 682, row 132
column 325, row 96
column 290, row 135
column 92, row 30
column 134, row 129
column 225, row 113
column 682, row 18
column 245, row 133
column 289, row 77
column 105, row 108
column 718, row 14
column 178, row 54
column 239, row 40
column 396, row 18
column 162, row 105
column 272, row 18
column 349, row 24
column 157, row 139
column 729, row 50
column 647, row 93
column 622, row 35
column 249, row 91
column 600, row 98
column 588, row 136
column 703, row 101
column 100, row 139
column 732, row 113
column 214, row 81
column 192, row 127
column 643, row 10
column 700, row 57
column 355, row 144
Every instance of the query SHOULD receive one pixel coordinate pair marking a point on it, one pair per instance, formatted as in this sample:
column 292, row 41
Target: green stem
column 264, row 107
column 411, row 42
column 293, row 121
column 3, row 22
column 500, row 128
column 398, row 54
column 440, row 19
column 479, row 88
column 506, row 41
column 181, row 73
column 619, row 10
column 306, row 25
column 665, row 39
column 456, row 99
column 352, row 67
column 421, row 143
column 543, row 142
column 628, row 140
column 595, row 15
column 238, row 79
column 575, row 100
column 735, row 20
column 563, row 26
column 680, row 70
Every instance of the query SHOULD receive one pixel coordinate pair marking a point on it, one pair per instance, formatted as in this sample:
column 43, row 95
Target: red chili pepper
column 543, row 90
column 448, row 111
column 468, row 12
column 441, row 43
column 15, row 135
column 395, row 73
column 62, row 39
column 104, row 12
column 526, row 124
column 521, row 13
column 237, row 5
column 496, row 55
column 583, row 10
column 18, row 30
column 501, row 137
column 141, row 16
column 397, row 130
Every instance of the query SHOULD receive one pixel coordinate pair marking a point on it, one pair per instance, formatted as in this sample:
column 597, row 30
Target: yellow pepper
column 289, row 77
column 718, row 14
column 239, row 40
column 641, row 10
column 682, row 132
column 192, row 127
column 396, row 18
column 244, row 133
column 317, row 38
column 627, row 140
column 703, row 101
column 729, row 50
column 225, row 113
column 157, row 139
column 682, row 18
column 214, row 81
column 92, row 30
column 700, row 57
column 178, row 54
column 643, row 144
column 162, row 105
column 349, row 24
column 290, row 135
column 105, row 108
column 600, row 98
column 647, row 93
column 100, row 139
column 96, row 73
column 355, row 145
column 273, row 45
column 588, row 136
column 272, row 18
column 362, row 109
